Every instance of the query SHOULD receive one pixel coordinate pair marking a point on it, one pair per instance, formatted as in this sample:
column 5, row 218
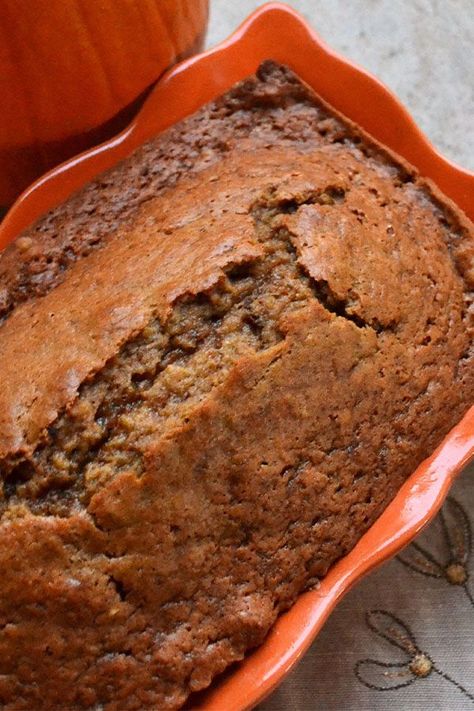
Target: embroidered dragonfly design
column 391, row 675
column 456, row 540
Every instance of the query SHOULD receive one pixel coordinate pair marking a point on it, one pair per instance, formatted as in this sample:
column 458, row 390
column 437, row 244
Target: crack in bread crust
column 161, row 374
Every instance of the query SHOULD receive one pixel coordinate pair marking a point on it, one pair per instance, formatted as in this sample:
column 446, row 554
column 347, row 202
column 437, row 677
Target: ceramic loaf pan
column 277, row 32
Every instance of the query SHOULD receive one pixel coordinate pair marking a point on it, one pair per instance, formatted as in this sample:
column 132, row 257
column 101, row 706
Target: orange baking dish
column 277, row 32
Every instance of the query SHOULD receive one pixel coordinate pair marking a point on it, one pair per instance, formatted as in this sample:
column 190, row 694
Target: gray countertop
column 422, row 49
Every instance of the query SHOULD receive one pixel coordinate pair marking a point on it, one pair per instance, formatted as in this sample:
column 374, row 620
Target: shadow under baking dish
column 277, row 32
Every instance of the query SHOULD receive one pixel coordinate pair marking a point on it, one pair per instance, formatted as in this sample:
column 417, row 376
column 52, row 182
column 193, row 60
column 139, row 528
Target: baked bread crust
column 213, row 382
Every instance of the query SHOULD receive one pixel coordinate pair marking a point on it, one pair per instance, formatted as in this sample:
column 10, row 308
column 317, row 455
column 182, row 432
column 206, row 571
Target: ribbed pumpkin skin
column 67, row 67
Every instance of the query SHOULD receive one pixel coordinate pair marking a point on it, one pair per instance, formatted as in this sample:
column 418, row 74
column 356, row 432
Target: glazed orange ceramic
column 73, row 73
column 277, row 32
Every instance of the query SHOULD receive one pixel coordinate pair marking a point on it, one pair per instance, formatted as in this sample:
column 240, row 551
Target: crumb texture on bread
column 219, row 362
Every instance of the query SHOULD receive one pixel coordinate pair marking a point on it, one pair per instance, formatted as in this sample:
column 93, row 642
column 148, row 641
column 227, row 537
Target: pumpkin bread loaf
column 219, row 361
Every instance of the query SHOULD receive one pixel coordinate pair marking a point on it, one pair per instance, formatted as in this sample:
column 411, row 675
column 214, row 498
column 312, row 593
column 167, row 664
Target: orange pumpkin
column 72, row 73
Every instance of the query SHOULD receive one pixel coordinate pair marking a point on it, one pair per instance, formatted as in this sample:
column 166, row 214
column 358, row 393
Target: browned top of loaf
column 209, row 405
column 273, row 108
